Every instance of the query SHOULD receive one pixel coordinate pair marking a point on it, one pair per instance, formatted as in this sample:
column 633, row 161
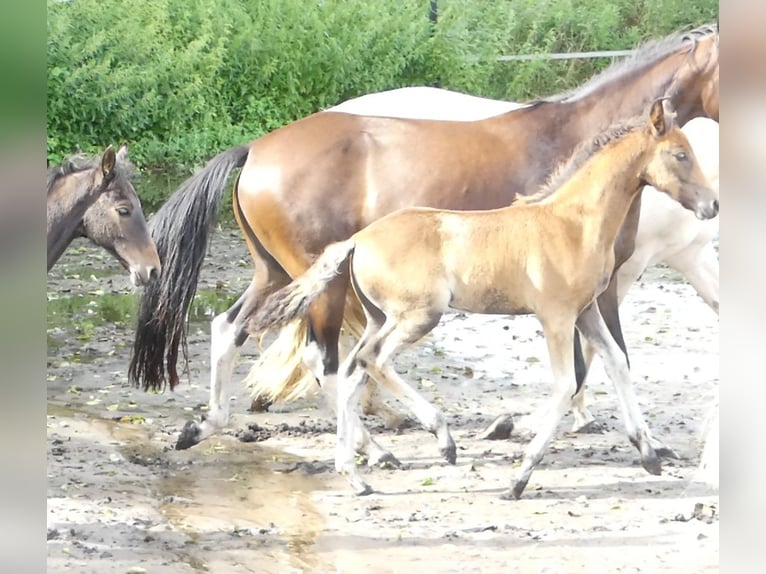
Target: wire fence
column 566, row 55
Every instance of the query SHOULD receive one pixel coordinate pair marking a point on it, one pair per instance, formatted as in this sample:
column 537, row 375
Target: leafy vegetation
column 182, row 80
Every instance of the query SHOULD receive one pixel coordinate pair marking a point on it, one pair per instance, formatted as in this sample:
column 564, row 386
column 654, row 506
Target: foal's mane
column 647, row 54
column 582, row 153
column 82, row 162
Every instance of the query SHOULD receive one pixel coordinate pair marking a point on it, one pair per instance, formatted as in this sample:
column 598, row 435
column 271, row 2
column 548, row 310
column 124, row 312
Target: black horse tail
column 180, row 230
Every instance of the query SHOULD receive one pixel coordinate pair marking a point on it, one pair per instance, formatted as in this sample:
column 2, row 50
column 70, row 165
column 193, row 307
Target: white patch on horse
column 260, row 177
column 426, row 103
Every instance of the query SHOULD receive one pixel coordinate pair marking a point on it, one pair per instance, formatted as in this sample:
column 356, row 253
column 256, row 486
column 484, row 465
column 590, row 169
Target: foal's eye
column 123, row 211
column 680, row 156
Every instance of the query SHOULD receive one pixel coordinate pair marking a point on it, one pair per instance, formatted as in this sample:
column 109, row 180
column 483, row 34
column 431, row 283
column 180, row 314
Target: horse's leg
column 399, row 333
column 227, row 335
column 351, row 375
column 584, row 421
column 624, row 278
column 592, row 325
column 321, row 356
column 701, row 270
column 224, row 348
column 559, row 338
column 608, row 301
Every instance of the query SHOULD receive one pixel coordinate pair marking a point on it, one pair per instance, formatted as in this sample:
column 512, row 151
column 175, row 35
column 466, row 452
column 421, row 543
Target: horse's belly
column 487, row 299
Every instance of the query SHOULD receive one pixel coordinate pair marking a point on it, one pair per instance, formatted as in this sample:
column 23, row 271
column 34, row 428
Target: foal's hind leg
column 591, row 325
column 321, row 356
column 400, row 333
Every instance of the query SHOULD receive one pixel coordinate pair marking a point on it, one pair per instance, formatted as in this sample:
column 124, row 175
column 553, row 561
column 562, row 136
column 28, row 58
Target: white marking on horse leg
column 363, row 442
column 561, row 349
column 429, row 416
column 592, row 325
column 582, row 415
column 312, row 358
column 223, row 353
column 701, row 271
column 349, row 428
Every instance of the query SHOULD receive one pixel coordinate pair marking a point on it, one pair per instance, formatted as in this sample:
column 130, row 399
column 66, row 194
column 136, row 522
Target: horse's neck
column 597, row 108
column 598, row 196
column 65, row 211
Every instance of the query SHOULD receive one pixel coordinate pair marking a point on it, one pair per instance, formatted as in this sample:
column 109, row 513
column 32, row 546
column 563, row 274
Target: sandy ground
column 120, row 499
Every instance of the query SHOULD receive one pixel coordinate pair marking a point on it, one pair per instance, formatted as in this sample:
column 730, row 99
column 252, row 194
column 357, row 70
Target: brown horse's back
column 378, row 165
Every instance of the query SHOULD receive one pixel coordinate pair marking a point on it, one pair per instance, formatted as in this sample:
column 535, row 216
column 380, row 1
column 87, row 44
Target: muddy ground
column 120, row 499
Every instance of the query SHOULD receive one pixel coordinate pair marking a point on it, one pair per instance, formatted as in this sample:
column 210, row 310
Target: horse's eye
column 681, row 155
column 123, row 211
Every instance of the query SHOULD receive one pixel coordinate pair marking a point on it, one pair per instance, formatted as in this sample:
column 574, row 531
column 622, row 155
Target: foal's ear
column 659, row 119
column 107, row 162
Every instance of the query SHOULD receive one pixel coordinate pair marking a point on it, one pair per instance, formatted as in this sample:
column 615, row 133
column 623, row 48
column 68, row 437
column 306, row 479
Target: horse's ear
column 107, row 162
column 658, row 118
column 122, row 153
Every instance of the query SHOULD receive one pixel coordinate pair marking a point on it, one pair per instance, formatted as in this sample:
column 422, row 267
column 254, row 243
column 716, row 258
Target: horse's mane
column 581, row 154
column 82, row 162
column 645, row 55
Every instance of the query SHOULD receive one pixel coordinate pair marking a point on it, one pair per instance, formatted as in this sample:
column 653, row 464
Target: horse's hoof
column 593, row 427
column 260, row 404
column 449, row 453
column 665, row 452
column 401, row 425
column 515, row 492
column 189, row 436
column 386, row 460
column 365, row 490
column 652, row 465
column 499, row 429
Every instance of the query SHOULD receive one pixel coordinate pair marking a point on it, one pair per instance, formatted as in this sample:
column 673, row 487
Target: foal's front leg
column 559, row 338
column 591, row 325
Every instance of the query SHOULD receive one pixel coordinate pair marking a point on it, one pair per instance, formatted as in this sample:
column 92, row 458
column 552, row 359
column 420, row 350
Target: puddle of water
column 239, row 491
column 224, row 495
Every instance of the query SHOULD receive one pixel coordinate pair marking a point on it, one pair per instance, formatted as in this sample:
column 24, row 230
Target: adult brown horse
column 550, row 254
column 94, row 198
column 322, row 178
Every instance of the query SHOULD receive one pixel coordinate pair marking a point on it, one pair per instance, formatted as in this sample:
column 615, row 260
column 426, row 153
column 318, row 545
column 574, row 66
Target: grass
column 85, row 313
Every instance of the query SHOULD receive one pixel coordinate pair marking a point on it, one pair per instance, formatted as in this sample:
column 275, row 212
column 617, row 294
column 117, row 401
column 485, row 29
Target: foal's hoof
column 652, row 464
column 449, row 453
column 189, row 436
column 386, row 460
column 665, row 452
column 260, row 404
column 593, row 427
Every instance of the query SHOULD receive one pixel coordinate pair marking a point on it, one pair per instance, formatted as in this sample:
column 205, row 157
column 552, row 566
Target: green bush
column 182, row 80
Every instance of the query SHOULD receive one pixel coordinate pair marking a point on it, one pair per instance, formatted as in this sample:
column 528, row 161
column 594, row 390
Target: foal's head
column 116, row 221
column 673, row 168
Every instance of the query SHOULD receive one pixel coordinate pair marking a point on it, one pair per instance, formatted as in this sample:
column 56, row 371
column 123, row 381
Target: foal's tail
column 180, row 230
column 293, row 300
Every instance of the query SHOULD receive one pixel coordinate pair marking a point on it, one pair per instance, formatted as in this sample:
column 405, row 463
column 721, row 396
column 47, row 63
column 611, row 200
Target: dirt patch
column 263, row 496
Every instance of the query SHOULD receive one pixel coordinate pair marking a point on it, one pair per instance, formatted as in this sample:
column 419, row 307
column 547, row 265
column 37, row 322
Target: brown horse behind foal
column 94, row 198
column 326, row 176
column 550, row 254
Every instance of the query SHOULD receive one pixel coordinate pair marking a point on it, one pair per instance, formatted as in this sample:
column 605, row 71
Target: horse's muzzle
column 707, row 210
column 141, row 275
